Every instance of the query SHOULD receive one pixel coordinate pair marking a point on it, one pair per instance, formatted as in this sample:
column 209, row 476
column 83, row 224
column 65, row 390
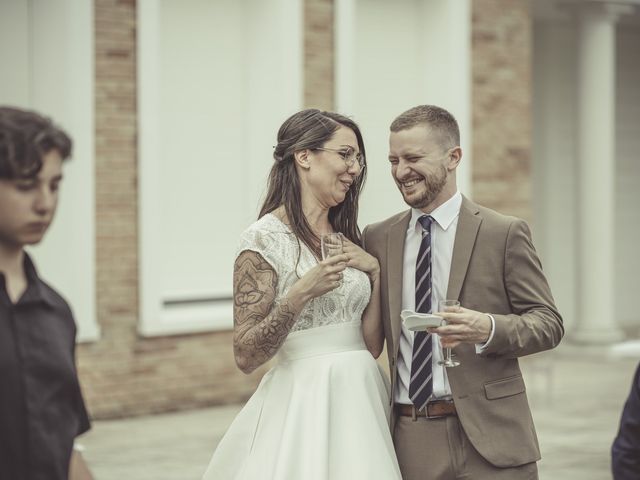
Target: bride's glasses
column 348, row 155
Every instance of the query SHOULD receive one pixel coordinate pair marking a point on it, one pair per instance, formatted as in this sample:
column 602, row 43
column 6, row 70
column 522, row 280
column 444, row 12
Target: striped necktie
column 421, row 383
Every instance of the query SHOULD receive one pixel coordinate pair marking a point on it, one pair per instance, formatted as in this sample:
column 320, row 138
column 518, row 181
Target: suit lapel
column 468, row 224
column 395, row 260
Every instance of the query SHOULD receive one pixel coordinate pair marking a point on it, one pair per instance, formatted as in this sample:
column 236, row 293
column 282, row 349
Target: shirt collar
column 444, row 215
column 36, row 291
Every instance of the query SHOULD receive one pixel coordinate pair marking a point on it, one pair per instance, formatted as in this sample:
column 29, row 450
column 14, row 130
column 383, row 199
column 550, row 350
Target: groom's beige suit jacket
column 495, row 270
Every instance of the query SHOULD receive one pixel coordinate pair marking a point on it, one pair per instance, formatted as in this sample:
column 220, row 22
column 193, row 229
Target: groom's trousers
column 438, row 449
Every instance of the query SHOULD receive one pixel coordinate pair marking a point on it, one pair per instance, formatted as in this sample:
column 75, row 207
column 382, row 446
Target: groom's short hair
column 435, row 117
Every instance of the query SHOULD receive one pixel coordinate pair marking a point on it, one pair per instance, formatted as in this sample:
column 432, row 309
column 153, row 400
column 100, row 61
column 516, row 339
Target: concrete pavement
column 576, row 396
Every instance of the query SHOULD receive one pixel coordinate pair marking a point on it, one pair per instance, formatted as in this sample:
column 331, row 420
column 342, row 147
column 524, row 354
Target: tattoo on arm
column 260, row 325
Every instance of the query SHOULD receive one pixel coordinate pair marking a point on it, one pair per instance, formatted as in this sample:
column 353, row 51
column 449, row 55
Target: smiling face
column 328, row 177
column 422, row 167
column 27, row 205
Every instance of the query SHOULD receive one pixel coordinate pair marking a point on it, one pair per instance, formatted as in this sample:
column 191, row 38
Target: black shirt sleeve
column 625, row 452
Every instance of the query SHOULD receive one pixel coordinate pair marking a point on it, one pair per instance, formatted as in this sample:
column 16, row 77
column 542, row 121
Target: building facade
column 174, row 108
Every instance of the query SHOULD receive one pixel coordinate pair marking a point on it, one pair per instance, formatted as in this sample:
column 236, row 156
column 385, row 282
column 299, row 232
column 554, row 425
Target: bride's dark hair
column 310, row 129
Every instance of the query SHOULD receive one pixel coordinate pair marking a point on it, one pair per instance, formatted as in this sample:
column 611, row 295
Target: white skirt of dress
column 321, row 413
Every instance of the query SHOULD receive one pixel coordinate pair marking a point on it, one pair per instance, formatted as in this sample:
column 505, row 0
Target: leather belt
column 434, row 409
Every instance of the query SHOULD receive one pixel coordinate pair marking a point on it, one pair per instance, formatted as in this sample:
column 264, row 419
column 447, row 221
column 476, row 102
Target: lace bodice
column 279, row 246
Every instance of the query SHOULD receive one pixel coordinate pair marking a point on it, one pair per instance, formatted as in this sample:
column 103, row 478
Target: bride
column 321, row 412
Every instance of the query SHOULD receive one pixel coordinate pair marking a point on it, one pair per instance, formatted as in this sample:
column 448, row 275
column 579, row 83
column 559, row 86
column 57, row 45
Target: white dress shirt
column 443, row 234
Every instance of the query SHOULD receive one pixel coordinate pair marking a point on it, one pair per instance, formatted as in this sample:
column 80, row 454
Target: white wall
column 48, row 48
column 391, row 56
column 216, row 80
column 15, row 45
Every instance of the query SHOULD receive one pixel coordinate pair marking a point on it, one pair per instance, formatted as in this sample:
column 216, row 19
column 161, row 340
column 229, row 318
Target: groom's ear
column 455, row 156
column 301, row 158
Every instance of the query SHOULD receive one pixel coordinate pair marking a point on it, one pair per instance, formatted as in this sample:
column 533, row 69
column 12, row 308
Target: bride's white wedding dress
column 321, row 412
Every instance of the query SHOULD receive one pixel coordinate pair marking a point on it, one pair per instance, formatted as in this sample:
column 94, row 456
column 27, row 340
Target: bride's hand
column 322, row 278
column 360, row 259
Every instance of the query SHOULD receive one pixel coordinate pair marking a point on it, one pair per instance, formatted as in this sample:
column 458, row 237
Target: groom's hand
column 463, row 326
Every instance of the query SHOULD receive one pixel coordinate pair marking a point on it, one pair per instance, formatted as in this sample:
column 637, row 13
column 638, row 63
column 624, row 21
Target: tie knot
column 426, row 221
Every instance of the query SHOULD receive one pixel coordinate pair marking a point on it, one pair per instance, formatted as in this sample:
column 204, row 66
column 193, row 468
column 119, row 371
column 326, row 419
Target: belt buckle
column 434, row 402
column 415, row 413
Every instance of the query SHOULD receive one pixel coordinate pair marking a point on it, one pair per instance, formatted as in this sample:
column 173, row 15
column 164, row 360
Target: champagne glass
column 331, row 245
column 447, row 306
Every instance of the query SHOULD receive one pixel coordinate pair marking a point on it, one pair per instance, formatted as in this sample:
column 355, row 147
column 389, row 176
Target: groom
column 471, row 421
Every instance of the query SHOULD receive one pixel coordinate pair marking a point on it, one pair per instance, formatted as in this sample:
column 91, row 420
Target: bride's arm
column 372, row 329
column 261, row 324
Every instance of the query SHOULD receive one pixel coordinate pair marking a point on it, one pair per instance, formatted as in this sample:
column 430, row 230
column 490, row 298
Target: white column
column 61, row 85
column 450, row 87
column 597, row 323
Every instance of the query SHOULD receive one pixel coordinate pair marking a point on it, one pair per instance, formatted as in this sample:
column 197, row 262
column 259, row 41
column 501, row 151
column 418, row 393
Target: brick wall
column 318, row 58
column 123, row 374
column 502, row 112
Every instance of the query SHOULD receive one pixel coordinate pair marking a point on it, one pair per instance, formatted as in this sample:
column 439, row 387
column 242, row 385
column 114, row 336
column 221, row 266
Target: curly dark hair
column 25, row 137
column 310, row 129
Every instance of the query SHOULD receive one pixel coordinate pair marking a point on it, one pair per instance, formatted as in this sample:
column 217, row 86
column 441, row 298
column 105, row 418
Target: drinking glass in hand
column 447, row 306
column 331, row 245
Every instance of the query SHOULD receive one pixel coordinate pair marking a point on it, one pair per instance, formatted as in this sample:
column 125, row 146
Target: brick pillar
column 318, row 54
column 502, row 113
column 116, row 158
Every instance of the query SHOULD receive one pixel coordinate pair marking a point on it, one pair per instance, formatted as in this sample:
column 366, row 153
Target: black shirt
column 625, row 452
column 41, row 406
